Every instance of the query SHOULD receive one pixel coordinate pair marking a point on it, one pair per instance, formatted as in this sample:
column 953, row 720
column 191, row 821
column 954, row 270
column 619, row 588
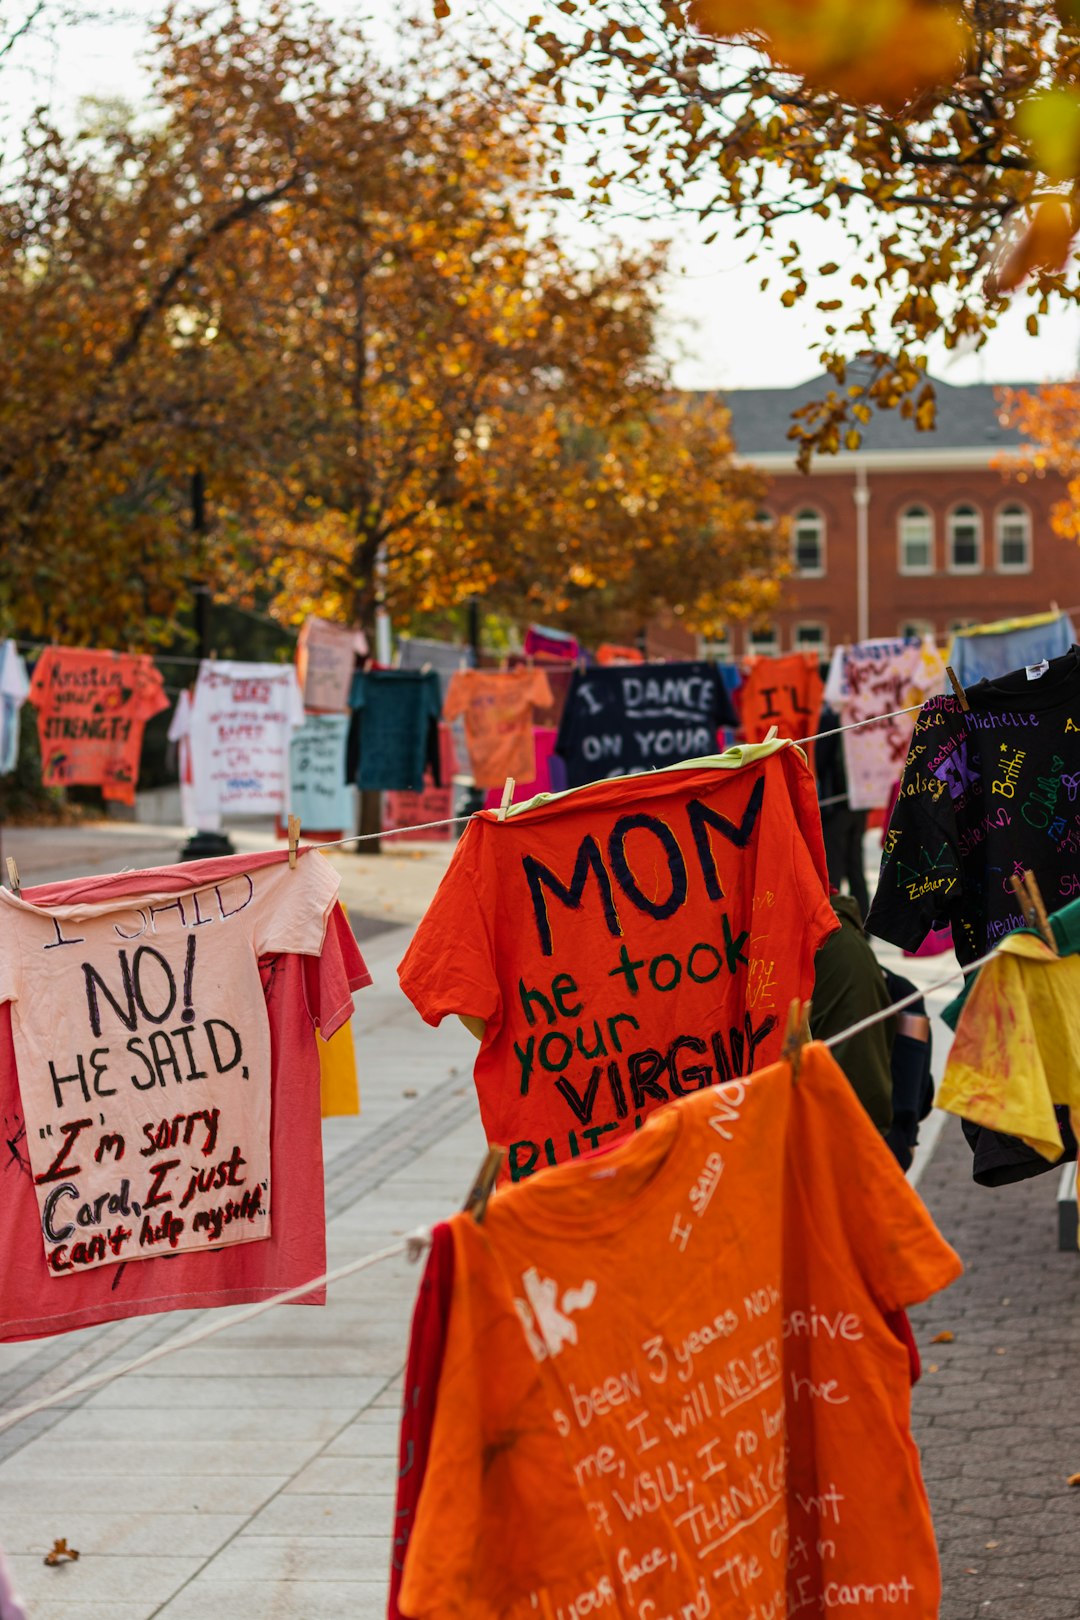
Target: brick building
column 911, row 533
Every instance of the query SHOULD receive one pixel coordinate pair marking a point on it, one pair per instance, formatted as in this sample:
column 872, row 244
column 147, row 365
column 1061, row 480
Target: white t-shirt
column 14, row 685
column 240, row 724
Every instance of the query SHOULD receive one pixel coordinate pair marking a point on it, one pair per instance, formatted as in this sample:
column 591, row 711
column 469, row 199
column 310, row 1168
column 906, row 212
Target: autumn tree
column 319, row 277
column 1049, row 420
column 942, row 139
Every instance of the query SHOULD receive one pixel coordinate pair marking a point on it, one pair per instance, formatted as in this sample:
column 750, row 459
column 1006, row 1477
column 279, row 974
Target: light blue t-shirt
column 987, row 655
column 319, row 794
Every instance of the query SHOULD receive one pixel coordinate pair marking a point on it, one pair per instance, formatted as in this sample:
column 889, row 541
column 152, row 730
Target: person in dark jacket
column 849, row 986
column 842, row 828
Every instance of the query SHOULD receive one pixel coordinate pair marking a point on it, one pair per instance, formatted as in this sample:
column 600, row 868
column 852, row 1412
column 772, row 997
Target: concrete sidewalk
column 254, row 1475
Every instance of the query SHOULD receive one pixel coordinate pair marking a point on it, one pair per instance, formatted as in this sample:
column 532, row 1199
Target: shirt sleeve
column 450, row 965
column 9, row 955
column 540, row 691
column 294, row 700
column 856, row 1196
column 456, row 700
column 16, row 683
column 292, row 908
column 331, row 977
column 152, row 695
column 180, row 724
column 919, row 882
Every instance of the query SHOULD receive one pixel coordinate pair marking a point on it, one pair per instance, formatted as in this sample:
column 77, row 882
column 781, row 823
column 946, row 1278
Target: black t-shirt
column 638, row 717
column 983, row 796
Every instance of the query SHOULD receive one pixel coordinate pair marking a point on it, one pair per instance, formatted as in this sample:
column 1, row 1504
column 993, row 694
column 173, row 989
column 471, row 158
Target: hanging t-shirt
column 498, row 712
column 618, row 722
column 92, row 709
column 984, row 652
column 143, row 1053
column 625, row 944
column 541, row 640
column 671, row 1384
column 395, row 732
column 544, row 739
column 781, row 692
column 1014, row 1055
column 241, row 720
column 880, row 680
column 984, row 795
column 301, row 994
column 318, row 791
column 326, row 655
column 14, row 687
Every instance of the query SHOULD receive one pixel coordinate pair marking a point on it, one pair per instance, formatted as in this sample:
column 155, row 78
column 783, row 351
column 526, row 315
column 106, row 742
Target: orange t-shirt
column 92, row 709
column 626, row 943
column 498, row 708
column 782, row 692
column 669, row 1387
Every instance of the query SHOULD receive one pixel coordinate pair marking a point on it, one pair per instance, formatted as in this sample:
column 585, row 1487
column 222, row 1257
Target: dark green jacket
column 849, row 986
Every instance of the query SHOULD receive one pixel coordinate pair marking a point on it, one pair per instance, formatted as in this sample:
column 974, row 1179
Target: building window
column 811, row 638
column 763, row 642
column 719, row 648
column 917, row 629
column 916, row 541
column 1014, row 540
column 808, row 543
column 965, row 540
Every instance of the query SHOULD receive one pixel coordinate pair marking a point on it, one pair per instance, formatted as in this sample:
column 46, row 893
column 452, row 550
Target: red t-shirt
column 626, row 943
column 302, row 994
column 782, row 692
column 92, row 709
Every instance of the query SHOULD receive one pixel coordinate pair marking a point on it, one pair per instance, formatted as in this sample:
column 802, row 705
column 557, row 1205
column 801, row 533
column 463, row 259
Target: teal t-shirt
column 396, row 716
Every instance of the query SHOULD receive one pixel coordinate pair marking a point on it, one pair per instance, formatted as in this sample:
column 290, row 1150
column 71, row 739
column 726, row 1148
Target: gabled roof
column 968, row 418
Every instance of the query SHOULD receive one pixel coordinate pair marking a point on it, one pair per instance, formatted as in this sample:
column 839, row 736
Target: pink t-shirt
column 300, row 993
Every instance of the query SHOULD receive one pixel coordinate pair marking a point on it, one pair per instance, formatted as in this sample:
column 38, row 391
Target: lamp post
column 205, row 842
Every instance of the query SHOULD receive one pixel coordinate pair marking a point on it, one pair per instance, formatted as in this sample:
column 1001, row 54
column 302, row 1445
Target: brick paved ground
column 998, row 1422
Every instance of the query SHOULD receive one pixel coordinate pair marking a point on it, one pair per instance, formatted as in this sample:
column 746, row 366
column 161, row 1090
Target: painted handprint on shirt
column 546, row 1322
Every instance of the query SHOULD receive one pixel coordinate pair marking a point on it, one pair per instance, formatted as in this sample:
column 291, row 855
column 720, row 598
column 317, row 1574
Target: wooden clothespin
column 507, row 795
column 796, row 1035
column 425, row 669
column 13, row 876
column 957, row 688
column 1030, row 900
column 477, row 1202
column 294, row 840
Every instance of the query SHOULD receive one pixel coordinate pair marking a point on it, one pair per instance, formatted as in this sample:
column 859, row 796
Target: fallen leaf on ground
column 945, row 1337
column 59, row 1551
column 1073, row 1479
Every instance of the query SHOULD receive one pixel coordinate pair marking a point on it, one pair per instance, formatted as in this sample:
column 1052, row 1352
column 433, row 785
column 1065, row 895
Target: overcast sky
column 721, row 329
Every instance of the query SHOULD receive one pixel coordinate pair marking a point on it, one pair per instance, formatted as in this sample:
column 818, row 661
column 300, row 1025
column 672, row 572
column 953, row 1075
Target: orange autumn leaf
column 1043, row 244
column 945, row 1337
column 882, row 51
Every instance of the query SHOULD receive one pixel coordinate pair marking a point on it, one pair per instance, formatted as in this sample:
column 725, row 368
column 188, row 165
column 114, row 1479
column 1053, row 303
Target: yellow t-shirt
column 1017, row 1046
column 339, row 1088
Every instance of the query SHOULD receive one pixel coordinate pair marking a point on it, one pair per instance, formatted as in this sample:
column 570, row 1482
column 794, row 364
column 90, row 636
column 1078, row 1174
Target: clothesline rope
column 413, row 1245
column 457, row 821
